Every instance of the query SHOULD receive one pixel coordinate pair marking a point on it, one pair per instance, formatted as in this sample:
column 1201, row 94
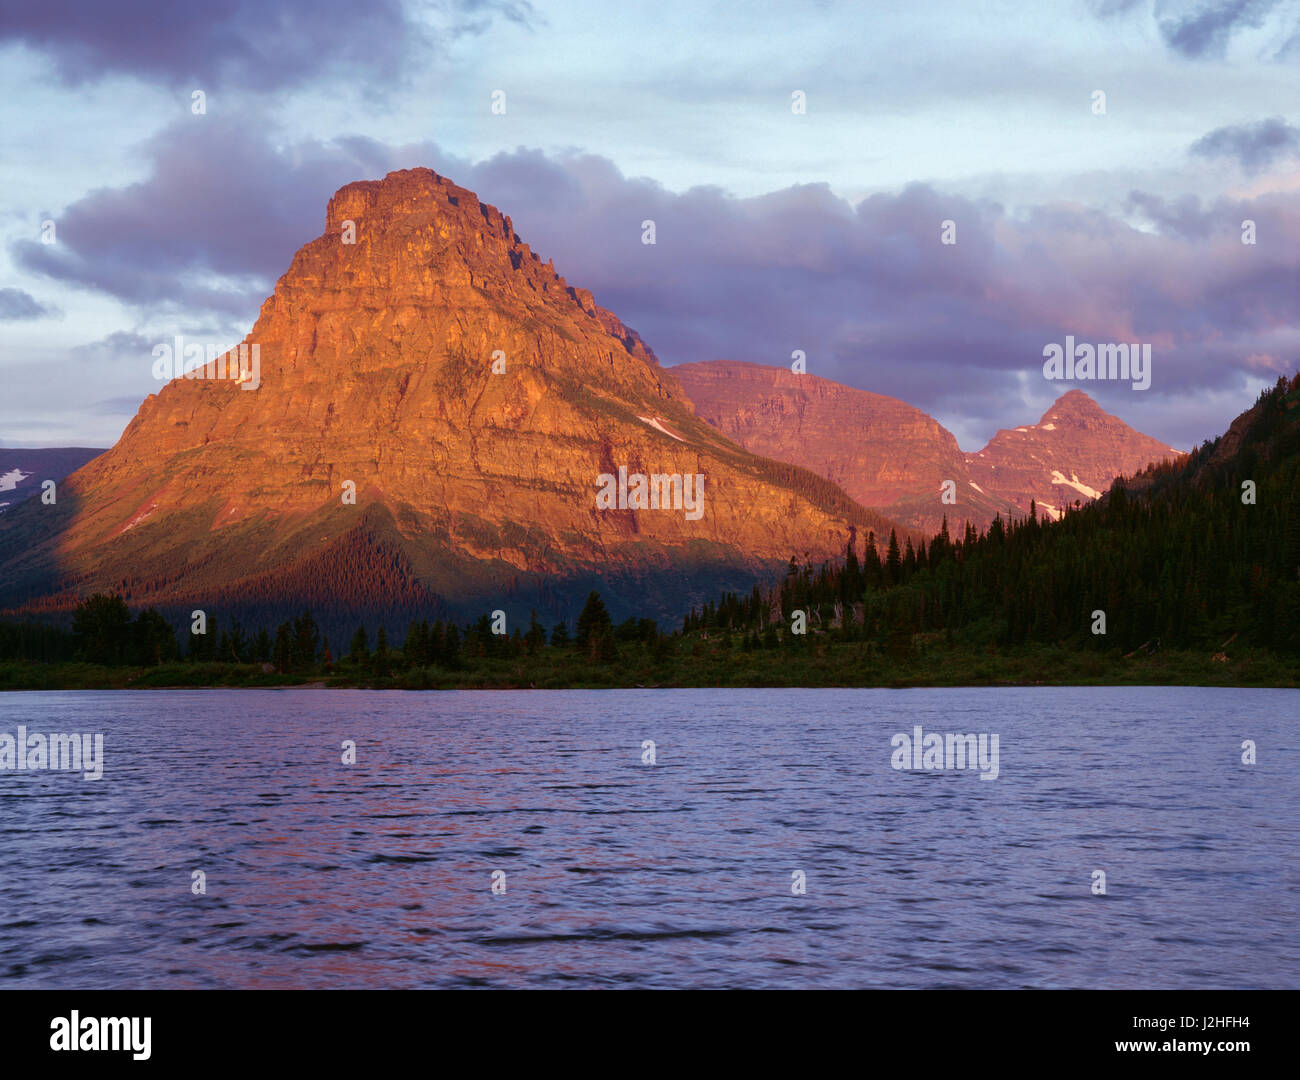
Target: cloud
column 260, row 45
column 16, row 304
column 1107, row 8
column 117, row 345
column 1197, row 29
column 876, row 301
column 214, row 224
column 866, row 290
column 1204, row 29
column 1253, row 146
column 249, row 45
column 477, row 16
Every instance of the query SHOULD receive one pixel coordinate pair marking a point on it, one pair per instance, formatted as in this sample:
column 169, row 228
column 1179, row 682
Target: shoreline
column 683, row 686
column 838, row 666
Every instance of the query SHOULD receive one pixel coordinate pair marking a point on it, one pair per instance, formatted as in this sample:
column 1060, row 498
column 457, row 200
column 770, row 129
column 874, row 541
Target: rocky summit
column 1072, row 455
column 888, row 455
column 420, row 355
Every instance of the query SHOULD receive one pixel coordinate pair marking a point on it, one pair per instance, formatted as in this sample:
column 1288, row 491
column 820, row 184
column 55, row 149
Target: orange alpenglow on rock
column 888, row 455
column 474, row 477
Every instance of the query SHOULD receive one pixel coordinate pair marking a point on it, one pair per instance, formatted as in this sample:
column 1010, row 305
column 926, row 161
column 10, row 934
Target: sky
column 1114, row 219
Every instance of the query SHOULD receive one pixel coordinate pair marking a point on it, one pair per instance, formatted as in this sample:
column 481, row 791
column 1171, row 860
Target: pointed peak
column 404, row 190
column 1072, row 402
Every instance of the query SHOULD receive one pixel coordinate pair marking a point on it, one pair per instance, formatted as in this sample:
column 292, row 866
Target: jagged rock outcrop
column 471, row 395
column 888, row 455
column 883, row 452
column 1073, row 454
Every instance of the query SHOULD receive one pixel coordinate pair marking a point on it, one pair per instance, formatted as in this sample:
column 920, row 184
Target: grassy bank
column 815, row 665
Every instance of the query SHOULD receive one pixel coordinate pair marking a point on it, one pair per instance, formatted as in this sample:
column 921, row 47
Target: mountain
column 881, row 451
column 888, row 455
column 1198, row 553
column 23, row 471
column 1073, row 454
column 472, row 396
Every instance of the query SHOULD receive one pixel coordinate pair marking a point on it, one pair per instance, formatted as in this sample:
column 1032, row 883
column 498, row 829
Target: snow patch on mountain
column 653, row 421
column 146, row 512
column 12, row 479
column 1059, row 478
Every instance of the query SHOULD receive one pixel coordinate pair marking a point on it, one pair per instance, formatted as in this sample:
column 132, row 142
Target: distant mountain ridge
column 22, row 471
column 472, row 398
column 1073, row 454
column 895, row 458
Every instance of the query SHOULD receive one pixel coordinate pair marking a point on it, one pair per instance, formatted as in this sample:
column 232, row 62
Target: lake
column 681, row 873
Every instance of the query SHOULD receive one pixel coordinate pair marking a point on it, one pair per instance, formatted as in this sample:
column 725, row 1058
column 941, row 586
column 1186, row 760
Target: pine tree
column 306, row 640
column 262, row 646
column 415, row 645
column 536, row 636
column 451, row 647
column 379, row 663
column 101, row 626
column 154, row 641
column 941, row 545
column 851, row 579
column 359, row 651
column 593, row 619
column 871, row 568
column 893, row 561
column 238, row 643
column 283, row 651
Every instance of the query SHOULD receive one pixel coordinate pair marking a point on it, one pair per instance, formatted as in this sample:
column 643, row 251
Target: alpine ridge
column 1073, row 454
column 890, row 456
column 470, row 396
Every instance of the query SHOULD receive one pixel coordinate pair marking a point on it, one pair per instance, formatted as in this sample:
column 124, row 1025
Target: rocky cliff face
column 881, row 451
column 888, row 455
column 875, row 447
column 472, row 397
column 1073, row 454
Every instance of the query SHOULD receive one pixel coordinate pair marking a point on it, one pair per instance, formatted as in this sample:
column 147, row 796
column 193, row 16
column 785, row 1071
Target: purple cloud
column 1198, row 29
column 1253, row 146
column 867, row 291
column 250, row 45
column 215, row 223
column 1203, row 29
column 16, row 304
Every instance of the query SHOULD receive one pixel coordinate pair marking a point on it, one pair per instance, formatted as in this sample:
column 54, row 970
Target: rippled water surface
column 678, row 874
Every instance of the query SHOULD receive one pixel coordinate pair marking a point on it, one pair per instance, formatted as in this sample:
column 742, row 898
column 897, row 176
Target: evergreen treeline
column 1184, row 555
column 103, row 632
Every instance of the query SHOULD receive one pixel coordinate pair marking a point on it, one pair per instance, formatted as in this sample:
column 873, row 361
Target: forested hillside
column 1197, row 553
